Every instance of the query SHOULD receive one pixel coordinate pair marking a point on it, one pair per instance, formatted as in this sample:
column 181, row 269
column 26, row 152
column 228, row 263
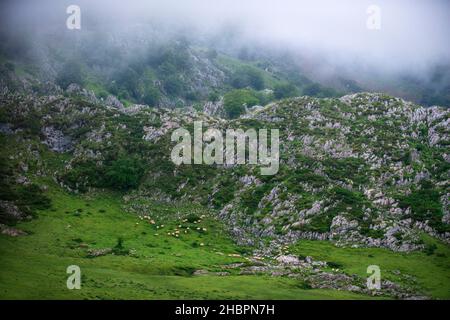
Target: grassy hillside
column 97, row 189
column 428, row 273
column 160, row 266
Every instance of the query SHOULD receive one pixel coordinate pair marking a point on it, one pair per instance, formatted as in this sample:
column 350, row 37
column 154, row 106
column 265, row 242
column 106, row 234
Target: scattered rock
column 10, row 231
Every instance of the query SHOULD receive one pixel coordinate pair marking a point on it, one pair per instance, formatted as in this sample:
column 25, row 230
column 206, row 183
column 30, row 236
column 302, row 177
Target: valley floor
column 160, row 262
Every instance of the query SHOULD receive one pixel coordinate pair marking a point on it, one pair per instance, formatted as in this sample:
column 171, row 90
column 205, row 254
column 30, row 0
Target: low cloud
column 413, row 34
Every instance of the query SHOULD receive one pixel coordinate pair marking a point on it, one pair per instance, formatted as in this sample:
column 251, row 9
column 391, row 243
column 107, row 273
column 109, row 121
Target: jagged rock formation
column 362, row 170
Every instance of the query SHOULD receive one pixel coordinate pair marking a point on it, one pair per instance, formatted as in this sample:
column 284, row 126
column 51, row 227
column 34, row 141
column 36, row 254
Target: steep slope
column 366, row 169
column 140, row 67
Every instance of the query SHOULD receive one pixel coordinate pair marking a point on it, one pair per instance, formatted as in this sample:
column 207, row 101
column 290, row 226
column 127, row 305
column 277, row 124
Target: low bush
column 236, row 101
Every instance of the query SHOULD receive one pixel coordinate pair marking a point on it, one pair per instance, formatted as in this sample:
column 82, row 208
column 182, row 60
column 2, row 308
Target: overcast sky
column 414, row 34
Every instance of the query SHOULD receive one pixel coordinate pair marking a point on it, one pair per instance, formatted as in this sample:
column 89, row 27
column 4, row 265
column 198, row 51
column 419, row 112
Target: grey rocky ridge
column 352, row 169
column 364, row 170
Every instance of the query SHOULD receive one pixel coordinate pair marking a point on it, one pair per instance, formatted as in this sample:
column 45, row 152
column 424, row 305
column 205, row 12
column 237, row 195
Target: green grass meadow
column 160, row 265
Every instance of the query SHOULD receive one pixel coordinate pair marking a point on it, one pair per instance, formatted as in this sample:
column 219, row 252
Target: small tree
column 124, row 173
column 285, row 90
column 70, row 73
column 235, row 102
column 152, row 96
column 248, row 77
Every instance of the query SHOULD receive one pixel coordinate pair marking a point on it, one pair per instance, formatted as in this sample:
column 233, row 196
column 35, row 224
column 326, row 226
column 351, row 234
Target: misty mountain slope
column 142, row 68
column 170, row 54
column 354, row 170
column 356, row 201
column 362, row 170
column 139, row 65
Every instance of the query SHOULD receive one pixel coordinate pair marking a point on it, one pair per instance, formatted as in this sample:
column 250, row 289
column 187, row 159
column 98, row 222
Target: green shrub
column 192, row 217
column 316, row 90
column 169, row 58
column 348, row 168
column 235, row 102
column 119, row 249
column 225, row 193
column 335, row 265
column 152, row 96
column 28, row 198
column 252, row 197
column 173, row 85
column 183, row 271
column 70, row 73
column 248, row 77
column 424, row 204
column 430, row 249
column 319, row 223
column 193, row 96
column 375, row 234
column 304, row 176
column 124, row 173
column 285, row 90
column 126, row 84
column 214, row 96
column 304, row 285
column 352, row 202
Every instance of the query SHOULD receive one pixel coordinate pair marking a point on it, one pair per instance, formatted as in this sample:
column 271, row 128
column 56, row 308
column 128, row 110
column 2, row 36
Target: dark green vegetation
column 236, row 101
column 110, row 166
column 27, row 198
column 86, row 118
column 172, row 73
column 145, row 263
column 330, row 162
column 427, row 272
column 425, row 206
